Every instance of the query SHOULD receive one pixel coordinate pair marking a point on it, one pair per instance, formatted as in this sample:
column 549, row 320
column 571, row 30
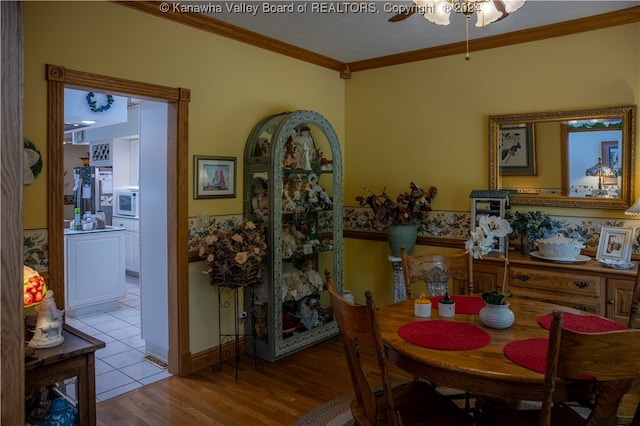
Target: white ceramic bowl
column 560, row 247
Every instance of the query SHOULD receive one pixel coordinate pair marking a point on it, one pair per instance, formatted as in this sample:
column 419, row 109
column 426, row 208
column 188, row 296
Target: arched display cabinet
column 293, row 188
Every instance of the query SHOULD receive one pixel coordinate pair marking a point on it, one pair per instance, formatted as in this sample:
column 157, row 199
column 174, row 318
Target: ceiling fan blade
column 404, row 15
column 501, row 8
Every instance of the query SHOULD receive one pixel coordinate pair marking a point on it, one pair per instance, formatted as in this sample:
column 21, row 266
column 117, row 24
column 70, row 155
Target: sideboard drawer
column 588, row 304
column 558, row 282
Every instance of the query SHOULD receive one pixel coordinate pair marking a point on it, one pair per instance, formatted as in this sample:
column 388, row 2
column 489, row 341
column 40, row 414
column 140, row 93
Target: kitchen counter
column 94, row 270
column 68, row 231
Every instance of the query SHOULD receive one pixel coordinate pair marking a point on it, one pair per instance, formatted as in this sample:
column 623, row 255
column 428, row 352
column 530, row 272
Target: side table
column 231, row 301
column 73, row 358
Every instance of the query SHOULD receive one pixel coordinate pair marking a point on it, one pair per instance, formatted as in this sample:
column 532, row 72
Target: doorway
column 105, row 151
column 176, row 99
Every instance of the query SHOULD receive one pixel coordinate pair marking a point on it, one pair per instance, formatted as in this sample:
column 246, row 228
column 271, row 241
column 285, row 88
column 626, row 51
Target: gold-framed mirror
column 580, row 158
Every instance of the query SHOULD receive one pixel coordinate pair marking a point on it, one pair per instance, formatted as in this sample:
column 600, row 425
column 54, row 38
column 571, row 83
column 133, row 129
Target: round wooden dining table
column 483, row 371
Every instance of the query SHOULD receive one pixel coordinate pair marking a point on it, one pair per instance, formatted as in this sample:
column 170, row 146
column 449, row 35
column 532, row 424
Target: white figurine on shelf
column 290, row 242
column 314, row 278
column 259, row 202
column 319, row 191
column 48, row 324
column 306, row 148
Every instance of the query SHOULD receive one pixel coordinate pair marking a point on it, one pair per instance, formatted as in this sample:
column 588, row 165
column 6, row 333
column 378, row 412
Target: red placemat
column 532, row 354
column 464, row 304
column 529, row 353
column 440, row 334
column 583, row 323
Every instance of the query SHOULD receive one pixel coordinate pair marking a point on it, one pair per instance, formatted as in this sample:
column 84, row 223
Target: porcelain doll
column 306, row 148
column 313, row 277
column 288, row 206
column 259, row 201
column 321, row 194
column 290, row 243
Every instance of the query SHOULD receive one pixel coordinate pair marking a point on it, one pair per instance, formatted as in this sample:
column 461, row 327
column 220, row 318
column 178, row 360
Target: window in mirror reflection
column 594, row 167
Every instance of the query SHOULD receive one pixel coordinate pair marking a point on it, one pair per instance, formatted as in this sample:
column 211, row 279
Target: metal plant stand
column 228, row 298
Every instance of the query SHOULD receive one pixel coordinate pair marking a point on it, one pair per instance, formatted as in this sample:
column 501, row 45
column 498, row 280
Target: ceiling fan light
column 487, row 13
column 436, row 11
column 512, row 5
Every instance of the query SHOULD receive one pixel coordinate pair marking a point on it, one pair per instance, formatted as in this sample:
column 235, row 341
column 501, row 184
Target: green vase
column 402, row 235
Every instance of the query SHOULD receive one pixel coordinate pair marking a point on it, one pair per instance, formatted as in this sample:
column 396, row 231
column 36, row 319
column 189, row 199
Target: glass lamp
column 601, row 171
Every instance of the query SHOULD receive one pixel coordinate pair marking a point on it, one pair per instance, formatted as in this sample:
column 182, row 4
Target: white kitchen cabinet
column 94, row 271
column 131, row 242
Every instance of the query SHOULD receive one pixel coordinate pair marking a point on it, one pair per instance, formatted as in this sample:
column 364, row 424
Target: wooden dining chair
column 633, row 317
column 635, row 303
column 436, row 270
column 414, row 402
column 610, row 359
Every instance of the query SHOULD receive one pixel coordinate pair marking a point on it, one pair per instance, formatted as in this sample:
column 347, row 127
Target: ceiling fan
column 437, row 11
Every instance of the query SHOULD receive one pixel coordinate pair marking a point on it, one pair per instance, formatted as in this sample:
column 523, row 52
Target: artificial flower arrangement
column 409, row 207
column 483, row 237
column 234, row 251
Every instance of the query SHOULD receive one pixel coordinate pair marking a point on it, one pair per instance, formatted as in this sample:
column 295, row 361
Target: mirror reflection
column 579, row 158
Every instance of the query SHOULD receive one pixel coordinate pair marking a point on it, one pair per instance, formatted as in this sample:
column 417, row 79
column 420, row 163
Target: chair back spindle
column 436, row 271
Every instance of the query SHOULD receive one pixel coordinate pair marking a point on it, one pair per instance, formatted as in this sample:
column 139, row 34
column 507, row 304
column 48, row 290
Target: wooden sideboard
column 588, row 286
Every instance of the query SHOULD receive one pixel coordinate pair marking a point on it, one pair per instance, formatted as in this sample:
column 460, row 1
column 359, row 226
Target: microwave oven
column 126, row 203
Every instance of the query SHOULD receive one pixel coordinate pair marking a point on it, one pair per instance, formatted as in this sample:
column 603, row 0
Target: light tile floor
column 120, row 365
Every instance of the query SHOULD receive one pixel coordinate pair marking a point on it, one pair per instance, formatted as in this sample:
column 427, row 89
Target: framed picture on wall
column 611, row 159
column 214, row 177
column 615, row 244
column 517, row 149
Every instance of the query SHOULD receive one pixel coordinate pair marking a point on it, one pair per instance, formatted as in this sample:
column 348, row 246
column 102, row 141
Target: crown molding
column 597, row 22
column 215, row 26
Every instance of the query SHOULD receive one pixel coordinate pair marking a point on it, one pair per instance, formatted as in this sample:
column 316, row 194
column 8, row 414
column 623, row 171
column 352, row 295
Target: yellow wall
column 232, row 85
column 428, row 121
column 424, row 121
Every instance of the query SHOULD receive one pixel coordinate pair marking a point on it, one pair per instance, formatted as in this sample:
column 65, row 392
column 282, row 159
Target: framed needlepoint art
column 214, row 177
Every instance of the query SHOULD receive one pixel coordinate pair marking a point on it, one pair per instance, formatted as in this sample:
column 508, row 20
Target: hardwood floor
column 277, row 395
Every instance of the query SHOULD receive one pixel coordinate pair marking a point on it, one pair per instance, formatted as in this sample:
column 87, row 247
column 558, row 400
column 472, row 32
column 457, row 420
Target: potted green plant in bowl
column 496, row 312
column 532, row 226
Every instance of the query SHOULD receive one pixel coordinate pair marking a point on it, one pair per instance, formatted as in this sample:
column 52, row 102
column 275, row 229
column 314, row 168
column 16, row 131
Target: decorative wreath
column 92, row 103
column 32, row 164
